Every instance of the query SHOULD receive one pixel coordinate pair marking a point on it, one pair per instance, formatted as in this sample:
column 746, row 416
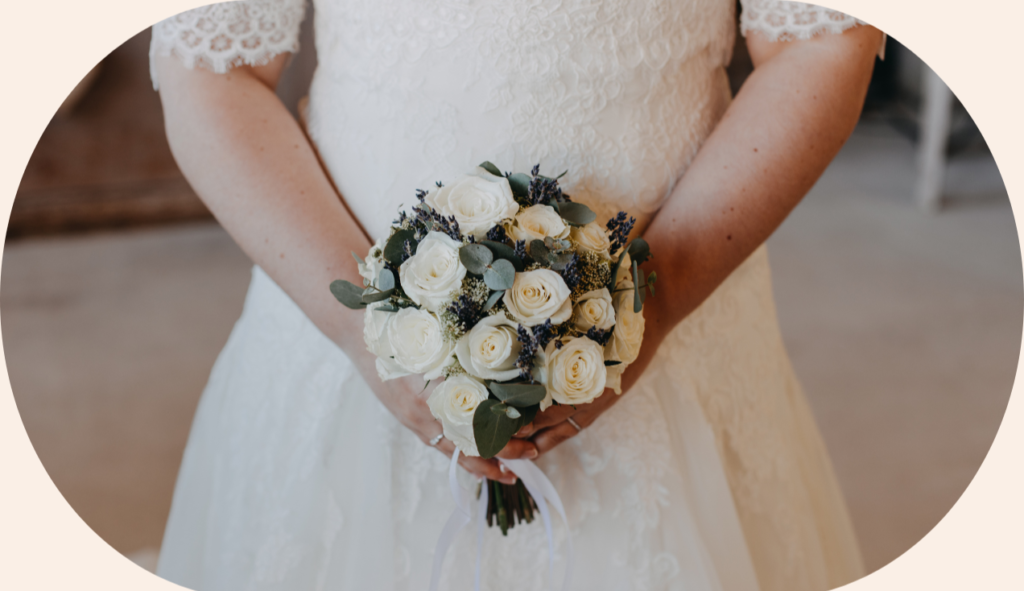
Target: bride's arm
column 251, row 164
column 785, row 125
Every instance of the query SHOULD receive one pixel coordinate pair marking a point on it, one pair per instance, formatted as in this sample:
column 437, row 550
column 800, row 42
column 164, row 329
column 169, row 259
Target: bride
column 304, row 471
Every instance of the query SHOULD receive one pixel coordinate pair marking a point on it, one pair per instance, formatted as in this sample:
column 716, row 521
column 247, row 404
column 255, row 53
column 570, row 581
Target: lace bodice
column 619, row 94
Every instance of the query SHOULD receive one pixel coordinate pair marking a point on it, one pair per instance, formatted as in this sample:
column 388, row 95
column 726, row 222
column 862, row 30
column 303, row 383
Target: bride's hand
column 406, row 399
column 551, row 428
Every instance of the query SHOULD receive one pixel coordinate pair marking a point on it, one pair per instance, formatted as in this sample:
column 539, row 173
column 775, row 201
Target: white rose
column 536, row 222
column 592, row 237
column 417, row 342
column 375, row 333
column 431, row 275
column 574, row 373
column 537, row 296
column 454, row 402
column 370, row 268
column 627, row 337
column 595, row 309
column 479, row 201
column 489, row 351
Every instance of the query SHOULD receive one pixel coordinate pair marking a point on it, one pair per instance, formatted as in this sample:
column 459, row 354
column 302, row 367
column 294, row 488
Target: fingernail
column 503, row 468
column 510, row 481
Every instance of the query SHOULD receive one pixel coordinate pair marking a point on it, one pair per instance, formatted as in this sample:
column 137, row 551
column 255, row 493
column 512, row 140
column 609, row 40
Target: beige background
column 44, row 545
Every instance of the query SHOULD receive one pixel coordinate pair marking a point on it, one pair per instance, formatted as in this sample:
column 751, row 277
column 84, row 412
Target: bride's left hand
column 550, row 428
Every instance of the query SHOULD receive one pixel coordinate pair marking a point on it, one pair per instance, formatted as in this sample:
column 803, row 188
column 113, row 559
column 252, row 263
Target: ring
column 574, row 423
column 437, row 439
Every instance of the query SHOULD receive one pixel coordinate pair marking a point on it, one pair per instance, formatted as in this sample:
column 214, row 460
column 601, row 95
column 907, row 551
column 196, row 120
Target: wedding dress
column 710, row 474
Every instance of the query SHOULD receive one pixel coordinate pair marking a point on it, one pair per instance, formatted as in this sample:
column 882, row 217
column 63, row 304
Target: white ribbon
column 540, row 489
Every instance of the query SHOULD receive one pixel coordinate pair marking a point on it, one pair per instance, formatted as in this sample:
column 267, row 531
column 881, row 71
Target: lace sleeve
column 222, row 36
column 779, row 20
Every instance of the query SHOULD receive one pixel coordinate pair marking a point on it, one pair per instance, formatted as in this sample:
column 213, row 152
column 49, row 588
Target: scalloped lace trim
column 219, row 37
column 779, row 20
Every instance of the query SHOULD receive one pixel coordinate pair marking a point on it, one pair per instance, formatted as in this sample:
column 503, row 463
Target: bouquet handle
column 543, row 493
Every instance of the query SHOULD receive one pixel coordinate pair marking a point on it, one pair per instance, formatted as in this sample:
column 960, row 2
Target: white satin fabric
column 710, row 474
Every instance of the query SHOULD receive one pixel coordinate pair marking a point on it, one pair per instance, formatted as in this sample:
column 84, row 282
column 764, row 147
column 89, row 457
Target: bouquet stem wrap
column 543, row 493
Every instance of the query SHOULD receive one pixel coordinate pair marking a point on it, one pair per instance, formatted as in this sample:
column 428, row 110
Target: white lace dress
column 710, row 474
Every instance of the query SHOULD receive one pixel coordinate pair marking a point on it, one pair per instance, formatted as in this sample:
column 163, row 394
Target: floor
column 903, row 327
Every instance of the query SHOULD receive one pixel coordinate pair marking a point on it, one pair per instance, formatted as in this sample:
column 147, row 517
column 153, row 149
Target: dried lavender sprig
column 571, row 272
column 467, row 312
column 526, row 354
column 601, row 337
column 497, row 234
column 619, row 228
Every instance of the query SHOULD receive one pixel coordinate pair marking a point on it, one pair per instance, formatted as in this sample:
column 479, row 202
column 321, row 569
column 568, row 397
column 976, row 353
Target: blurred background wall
column 902, row 315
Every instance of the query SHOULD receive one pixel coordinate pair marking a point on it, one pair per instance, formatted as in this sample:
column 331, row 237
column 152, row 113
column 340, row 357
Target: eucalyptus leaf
column 493, row 299
column 358, row 260
column 386, row 308
column 370, row 296
column 503, row 251
column 512, row 413
column 638, row 301
column 639, row 250
column 538, row 251
column 386, row 280
column 476, row 258
column 518, row 395
column 559, row 260
column 395, row 247
column 348, row 293
column 577, row 214
column 501, row 275
column 491, row 168
column 520, row 184
column 493, row 430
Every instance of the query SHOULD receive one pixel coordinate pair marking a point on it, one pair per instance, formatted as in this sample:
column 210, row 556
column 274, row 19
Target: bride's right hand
column 406, row 399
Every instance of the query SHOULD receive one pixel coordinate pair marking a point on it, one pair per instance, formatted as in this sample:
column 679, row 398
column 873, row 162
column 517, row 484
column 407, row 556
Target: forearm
column 251, row 164
column 785, row 125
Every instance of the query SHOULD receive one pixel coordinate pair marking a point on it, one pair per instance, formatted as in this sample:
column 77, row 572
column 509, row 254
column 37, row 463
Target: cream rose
column 431, row 275
column 375, row 333
column 574, row 373
column 490, row 349
column 370, row 268
column 592, row 237
column 627, row 337
column 478, row 201
column 538, row 295
column 595, row 309
column 417, row 342
column 454, row 402
column 536, row 222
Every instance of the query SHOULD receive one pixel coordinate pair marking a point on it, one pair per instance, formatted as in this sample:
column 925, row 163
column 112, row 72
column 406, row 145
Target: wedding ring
column 437, row 439
column 574, row 423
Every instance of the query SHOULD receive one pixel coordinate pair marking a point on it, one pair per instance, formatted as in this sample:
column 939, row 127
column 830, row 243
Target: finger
column 552, row 416
column 552, row 436
column 477, row 466
column 519, row 448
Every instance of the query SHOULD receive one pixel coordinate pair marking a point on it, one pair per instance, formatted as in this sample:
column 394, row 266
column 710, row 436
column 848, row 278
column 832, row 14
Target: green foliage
column 518, row 395
column 576, row 214
column 493, row 427
column 491, row 168
column 476, row 258
column 394, row 249
column 348, row 293
column 503, row 251
column 520, row 184
column 500, row 275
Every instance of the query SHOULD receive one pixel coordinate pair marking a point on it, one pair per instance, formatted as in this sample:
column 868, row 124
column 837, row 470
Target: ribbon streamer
column 540, row 489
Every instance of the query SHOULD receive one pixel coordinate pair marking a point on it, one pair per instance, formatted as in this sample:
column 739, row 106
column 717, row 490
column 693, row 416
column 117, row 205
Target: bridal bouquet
column 511, row 292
